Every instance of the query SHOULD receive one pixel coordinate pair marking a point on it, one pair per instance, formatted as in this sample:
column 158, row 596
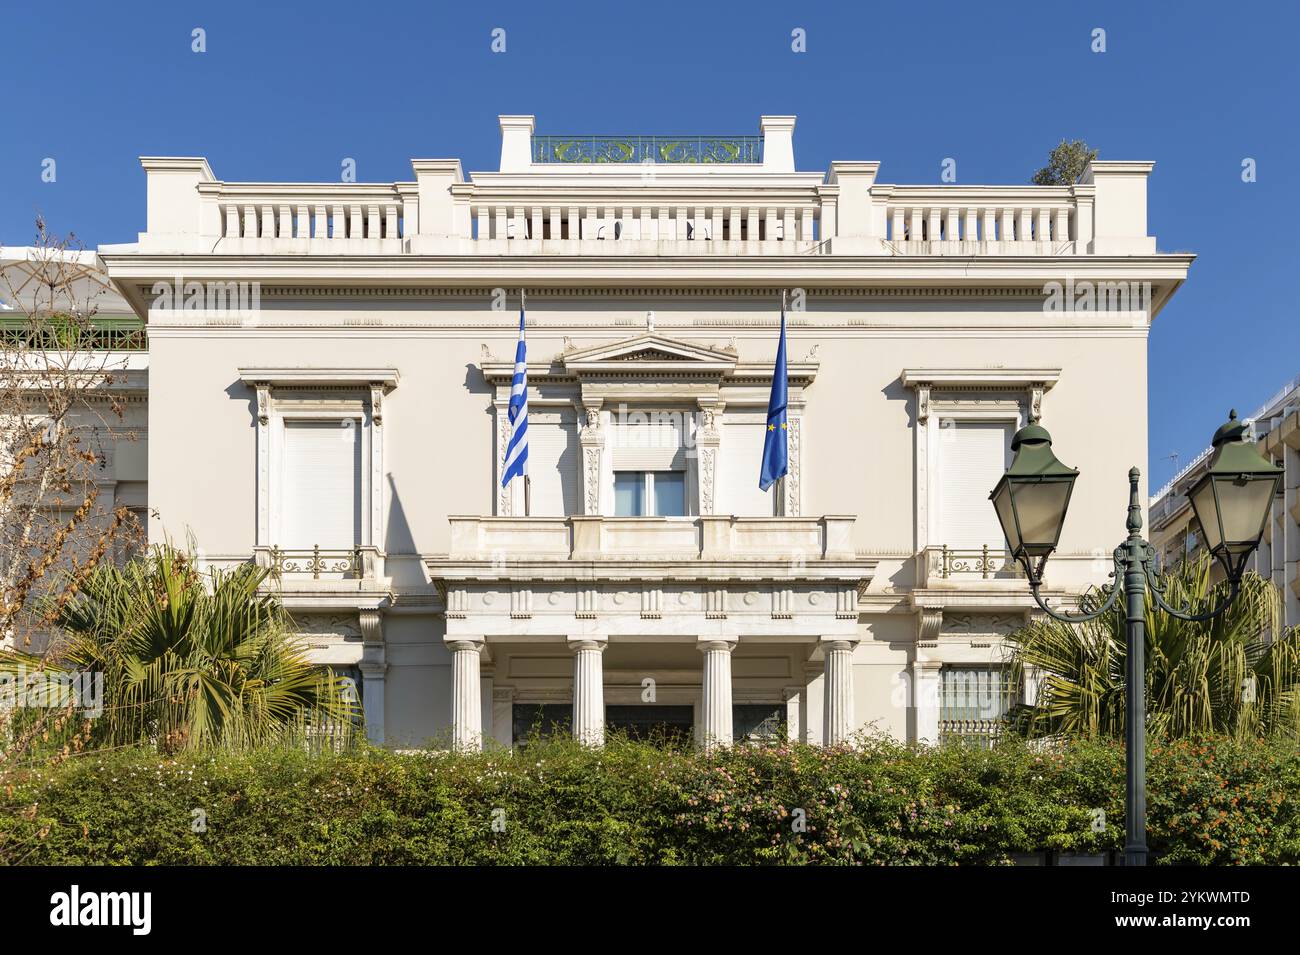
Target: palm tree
column 193, row 661
column 1226, row 675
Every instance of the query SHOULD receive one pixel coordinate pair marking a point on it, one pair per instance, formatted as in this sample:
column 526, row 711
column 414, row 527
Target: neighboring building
column 111, row 423
column 1176, row 535
column 345, row 424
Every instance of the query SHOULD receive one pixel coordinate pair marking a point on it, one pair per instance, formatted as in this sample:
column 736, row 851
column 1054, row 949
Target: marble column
column 716, row 729
column 373, row 670
column 839, row 725
column 588, row 690
column 925, row 689
column 466, row 694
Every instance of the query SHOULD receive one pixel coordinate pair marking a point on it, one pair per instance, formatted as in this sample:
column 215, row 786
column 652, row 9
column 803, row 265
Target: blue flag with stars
column 776, row 454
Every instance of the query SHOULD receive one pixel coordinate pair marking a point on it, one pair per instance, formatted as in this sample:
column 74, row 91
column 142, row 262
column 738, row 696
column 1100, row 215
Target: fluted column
column 588, row 690
column 838, row 691
column 716, row 727
column 466, row 695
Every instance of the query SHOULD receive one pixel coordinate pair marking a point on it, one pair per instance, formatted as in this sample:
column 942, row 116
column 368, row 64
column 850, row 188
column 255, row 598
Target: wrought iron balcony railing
column 985, row 561
column 976, row 733
column 345, row 563
column 652, row 149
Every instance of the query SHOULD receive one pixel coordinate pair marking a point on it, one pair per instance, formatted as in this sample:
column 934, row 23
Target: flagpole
column 528, row 480
column 780, row 485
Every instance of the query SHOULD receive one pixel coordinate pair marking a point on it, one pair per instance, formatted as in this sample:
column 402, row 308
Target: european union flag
column 776, row 454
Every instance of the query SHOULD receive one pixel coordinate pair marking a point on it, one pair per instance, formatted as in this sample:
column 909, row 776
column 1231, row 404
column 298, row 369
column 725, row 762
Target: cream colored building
column 345, row 424
column 1174, row 531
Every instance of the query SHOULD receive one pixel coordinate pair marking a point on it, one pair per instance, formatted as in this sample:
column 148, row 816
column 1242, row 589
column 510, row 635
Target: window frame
column 280, row 487
column 321, row 393
column 649, row 503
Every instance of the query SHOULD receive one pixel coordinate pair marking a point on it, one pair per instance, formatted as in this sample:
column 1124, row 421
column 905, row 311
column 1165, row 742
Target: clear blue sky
column 286, row 91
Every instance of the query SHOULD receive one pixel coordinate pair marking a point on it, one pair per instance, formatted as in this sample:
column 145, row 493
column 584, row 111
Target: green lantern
column 1032, row 497
column 1231, row 500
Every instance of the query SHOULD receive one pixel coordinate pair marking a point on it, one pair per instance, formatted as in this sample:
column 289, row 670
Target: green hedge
column 1210, row 802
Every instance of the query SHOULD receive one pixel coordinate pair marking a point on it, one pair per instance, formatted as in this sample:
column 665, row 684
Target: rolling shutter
column 321, row 484
column 655, row 444
column 972, row 458
column 554, row 464
column 739, row 462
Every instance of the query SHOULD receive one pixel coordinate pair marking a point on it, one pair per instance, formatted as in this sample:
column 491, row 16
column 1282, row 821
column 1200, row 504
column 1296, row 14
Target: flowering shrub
column 1212, row 801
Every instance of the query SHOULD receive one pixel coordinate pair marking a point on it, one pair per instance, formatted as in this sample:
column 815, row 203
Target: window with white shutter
column 740, row 460
column 648, row 441
column 972, row 456
column 554, row 463
column 320, row 487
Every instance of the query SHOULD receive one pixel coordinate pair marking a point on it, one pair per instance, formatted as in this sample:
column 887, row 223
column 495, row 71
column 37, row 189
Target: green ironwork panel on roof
column 648, row 149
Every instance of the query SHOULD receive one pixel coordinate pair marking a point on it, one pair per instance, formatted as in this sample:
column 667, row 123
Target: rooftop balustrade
column 643, row 195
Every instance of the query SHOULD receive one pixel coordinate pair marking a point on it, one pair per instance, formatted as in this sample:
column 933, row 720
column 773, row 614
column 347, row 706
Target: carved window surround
column 1013, row 395
column 643, row 373
column 344, row 393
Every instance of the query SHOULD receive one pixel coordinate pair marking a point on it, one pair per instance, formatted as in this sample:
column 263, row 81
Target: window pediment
column 647, row 354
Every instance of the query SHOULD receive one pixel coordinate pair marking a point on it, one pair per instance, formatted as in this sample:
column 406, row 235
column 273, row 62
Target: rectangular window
column 973, row 455
column 758, row 722
column 540, row 721
column 629, row 493
column 740, row 461
column 669, row 493
column 655, row 723
column 649, row 493
column 554, row 464
column 972, row 703
column 320, row 496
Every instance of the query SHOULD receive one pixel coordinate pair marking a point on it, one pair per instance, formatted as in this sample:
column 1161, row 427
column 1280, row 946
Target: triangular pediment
column 650, row 350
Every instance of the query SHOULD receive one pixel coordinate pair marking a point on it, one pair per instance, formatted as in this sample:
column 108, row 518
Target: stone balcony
column 661, row 577
column 322, row 579
column 797, row 542
column 988, row 567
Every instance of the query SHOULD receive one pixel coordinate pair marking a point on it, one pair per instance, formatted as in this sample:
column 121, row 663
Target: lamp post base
column 1135, row 855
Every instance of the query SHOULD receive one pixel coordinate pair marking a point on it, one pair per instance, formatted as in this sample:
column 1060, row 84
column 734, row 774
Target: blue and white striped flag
column 517, row 449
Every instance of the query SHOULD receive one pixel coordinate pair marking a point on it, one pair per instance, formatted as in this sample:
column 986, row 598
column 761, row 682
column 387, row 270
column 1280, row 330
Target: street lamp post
column 1231, row 502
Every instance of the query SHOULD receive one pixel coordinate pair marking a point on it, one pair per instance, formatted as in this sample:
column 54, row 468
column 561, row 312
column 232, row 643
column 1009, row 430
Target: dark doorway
column 671, row 725
column 540, row 721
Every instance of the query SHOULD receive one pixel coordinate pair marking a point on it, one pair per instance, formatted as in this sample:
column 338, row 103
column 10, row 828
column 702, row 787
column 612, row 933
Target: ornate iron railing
column 316, row 562
column 985, row 562
column 652, row 149
column 98, row 334
column 973, row 702
column 979, row 734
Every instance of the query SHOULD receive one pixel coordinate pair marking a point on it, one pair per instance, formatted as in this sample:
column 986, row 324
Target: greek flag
column 776, row 453
column 517, row 449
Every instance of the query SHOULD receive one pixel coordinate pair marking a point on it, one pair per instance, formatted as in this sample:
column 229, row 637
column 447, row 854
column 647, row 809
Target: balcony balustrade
column 649, row 195
column 316, row 566
column 796, row 541
column 942, row 566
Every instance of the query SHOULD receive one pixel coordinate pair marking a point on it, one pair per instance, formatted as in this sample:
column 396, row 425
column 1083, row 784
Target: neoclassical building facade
column 330, row 367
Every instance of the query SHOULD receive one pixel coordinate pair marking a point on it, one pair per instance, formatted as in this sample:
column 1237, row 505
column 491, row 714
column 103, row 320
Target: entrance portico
column 712, row 612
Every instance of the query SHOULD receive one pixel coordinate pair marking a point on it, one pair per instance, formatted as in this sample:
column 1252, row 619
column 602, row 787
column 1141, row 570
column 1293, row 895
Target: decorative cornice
column 283, row 377
column 1018, row 378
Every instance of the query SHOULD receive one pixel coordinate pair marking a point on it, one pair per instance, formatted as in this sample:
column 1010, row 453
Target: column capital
column 726, row 644
column 839, row 643
column 454, row 644
column 587, row 643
